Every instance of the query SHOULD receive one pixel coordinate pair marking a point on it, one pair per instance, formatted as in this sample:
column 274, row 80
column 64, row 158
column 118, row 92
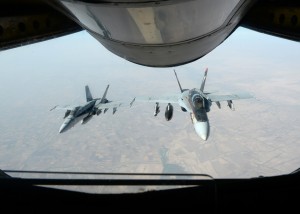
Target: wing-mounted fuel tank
column 99, row 111
column 169, row 112
column 230, row 105
column 183, row 109
column 156, row 110
column 86, row 119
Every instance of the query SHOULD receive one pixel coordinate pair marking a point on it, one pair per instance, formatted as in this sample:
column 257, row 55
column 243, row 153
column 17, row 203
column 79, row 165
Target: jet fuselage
column 76, row 115
column 194, row 102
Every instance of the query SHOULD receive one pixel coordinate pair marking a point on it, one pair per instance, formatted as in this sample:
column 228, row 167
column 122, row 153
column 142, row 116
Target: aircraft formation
column 196, row 102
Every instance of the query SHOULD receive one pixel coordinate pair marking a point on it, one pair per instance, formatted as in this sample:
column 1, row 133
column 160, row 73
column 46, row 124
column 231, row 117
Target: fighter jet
column 196, row 102
column 83, row 113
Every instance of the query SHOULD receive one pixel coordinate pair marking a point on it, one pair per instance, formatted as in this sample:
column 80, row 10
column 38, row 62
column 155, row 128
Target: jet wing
column 114, row 105
column 162, row 99
column 210, row 91
column 111, row 105
column 67, row 107
column 225, row 97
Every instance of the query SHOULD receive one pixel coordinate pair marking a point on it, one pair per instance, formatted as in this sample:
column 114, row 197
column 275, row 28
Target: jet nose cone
column 202, row 129
column 62, row 128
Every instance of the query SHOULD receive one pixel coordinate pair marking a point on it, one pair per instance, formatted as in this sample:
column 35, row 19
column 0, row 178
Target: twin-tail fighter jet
column 195, row 101
column 83, row 113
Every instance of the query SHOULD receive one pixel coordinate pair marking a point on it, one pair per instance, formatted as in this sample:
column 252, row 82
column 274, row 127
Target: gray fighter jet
column 195, row 101
column 83, row 113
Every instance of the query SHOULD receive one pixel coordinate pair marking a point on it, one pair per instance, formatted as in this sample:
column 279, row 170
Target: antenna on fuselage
column 203, row 81
column 178, row 82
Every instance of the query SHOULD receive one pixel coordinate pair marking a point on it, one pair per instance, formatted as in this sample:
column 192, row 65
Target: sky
column 261, row 137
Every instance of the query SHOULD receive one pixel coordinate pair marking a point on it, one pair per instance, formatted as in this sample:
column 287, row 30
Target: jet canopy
column 198, row 106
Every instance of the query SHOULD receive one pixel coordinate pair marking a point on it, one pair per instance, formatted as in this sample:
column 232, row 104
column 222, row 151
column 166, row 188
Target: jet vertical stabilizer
column 203, row 81
column 103, row 99
column 178, row 82
column 88, row 94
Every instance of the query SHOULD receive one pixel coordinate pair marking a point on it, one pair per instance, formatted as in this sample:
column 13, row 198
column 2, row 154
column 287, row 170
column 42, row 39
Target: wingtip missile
column 53, row 108
column 131, row 103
